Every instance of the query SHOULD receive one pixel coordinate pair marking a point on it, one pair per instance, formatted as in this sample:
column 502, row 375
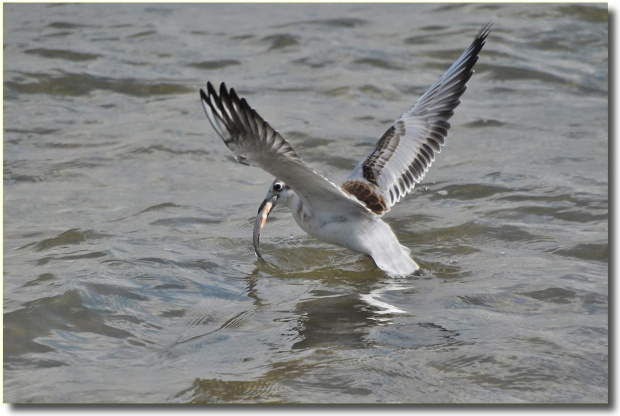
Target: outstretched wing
column 254, row 142
column 403, row 155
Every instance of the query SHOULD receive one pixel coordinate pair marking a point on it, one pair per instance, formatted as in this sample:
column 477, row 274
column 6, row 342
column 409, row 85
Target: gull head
column 277, row 190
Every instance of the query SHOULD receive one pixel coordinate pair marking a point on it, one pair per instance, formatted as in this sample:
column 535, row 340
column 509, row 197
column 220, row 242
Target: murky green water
column 129, row 274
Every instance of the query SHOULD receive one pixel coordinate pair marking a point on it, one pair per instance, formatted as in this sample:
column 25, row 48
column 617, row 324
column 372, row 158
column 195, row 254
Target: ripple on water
column 503, row 302
column 585, row 13
column 280, row 41
column 142, row 34
column 216, row 64
column 209, row 216
column 553, row 294
column 517, row 301
column 512, row 73
column 537, row 214
column 585, row 251
column 65, row 312
column 209, row 391
column 481, row 123
column 470, row 191
column 42, row 279
column 489, row 371
column 420, row 40
column 314, row 61
column 73, row 236
column 67, row 25
column 78, row 84
column 84, row 255
column 185, row 221
column 414, row 335
column 139, row 152
column 378, row 63
column 63, row 54
column 479, row 231
column 338, row 22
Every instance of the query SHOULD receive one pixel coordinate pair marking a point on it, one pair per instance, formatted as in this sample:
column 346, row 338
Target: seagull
column 349, row 215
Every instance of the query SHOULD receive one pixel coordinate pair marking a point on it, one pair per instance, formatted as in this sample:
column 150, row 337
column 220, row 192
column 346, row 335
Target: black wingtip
column 211, row 89
column 203, row 95
column 477, row 45
column 484, row 31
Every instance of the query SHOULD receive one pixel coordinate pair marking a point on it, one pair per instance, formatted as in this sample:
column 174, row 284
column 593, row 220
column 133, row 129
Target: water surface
column 129, row 274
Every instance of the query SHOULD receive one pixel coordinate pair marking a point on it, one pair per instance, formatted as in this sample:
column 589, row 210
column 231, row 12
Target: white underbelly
column 358, row 232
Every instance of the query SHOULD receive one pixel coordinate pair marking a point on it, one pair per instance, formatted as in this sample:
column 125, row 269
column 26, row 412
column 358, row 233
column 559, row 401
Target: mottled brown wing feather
column 368, row 194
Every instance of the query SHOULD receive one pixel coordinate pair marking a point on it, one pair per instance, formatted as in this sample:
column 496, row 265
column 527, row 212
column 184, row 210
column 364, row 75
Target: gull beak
column 261, row 219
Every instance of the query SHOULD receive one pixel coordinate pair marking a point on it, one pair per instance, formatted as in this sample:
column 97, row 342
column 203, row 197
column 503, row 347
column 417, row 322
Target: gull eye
column 277, row 186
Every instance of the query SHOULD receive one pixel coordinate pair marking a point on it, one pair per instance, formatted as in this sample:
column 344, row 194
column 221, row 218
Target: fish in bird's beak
column 261, row 219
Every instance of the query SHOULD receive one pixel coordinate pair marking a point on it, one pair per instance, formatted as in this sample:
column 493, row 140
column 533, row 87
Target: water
column 129, row 274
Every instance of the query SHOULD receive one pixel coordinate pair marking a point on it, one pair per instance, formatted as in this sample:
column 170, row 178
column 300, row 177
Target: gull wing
column 401, row 158
column 254, row 142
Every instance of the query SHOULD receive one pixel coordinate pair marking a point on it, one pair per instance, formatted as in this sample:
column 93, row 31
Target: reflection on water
column 129, row 274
